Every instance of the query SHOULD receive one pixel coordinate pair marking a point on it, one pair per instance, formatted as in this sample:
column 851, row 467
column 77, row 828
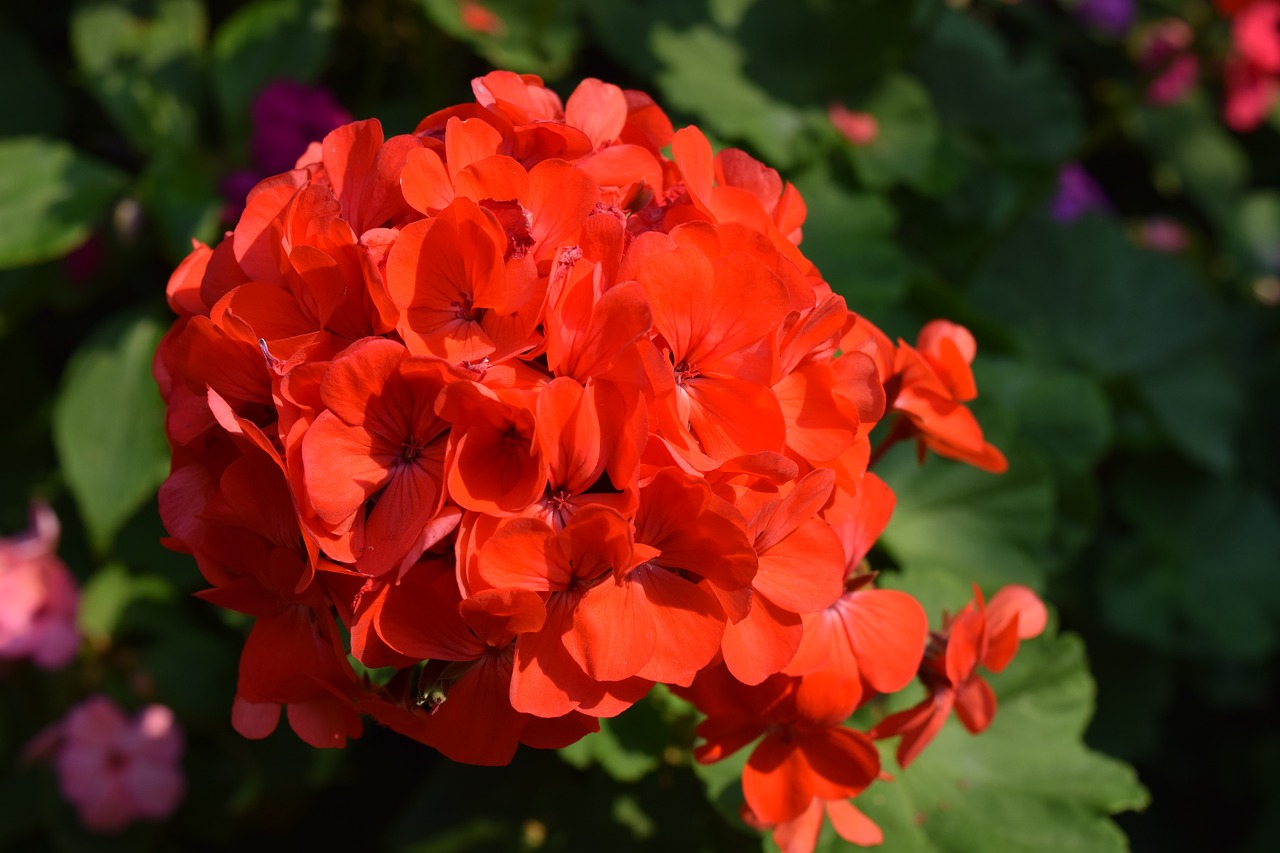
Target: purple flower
column 1078, row 193
column 1113, row 17
column 287, row 117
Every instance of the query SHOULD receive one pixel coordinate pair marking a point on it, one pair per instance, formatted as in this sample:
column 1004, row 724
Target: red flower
column 806, row 753
column 987, row 635
column 929, row 385
column 537, row 416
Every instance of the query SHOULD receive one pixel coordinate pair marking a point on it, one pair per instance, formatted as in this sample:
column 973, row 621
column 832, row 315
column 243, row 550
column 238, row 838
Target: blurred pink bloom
column 478, row 19
column 38, row 596
column 116, row 770
column 1162, row 234
column 1165, row 54
column 1175, row 81
column 859, row 128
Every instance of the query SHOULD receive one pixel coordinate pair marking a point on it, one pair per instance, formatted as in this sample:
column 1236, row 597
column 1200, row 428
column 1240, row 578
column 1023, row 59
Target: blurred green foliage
column 1136, row 394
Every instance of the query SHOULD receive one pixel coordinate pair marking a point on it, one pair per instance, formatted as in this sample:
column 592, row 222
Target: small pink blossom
column 478, row 19
column 1162, row 234
column 115, row 770
column 857, row 127
column 1165, row 54
column 38, row 596
column 1176, row 80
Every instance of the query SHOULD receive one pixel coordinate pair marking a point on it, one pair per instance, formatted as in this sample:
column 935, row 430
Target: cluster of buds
column 530, row 416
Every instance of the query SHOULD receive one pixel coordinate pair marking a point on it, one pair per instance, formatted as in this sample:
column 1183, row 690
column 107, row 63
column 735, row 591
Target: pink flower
column 859, row 128
column 478, row 19
column 38, row 596
column 116, row 770
column 1165, row 53
column 1162, row 234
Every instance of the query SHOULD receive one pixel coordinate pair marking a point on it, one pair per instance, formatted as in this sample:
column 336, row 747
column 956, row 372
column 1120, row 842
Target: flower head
column 1078, row 193
column 1113, row 17
column 858, row 127
column 38, row 596
column 116, row 770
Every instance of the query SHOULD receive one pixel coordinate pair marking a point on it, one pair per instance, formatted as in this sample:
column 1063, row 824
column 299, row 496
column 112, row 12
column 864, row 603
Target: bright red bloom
column 379, row 435
column 987, row 635
column 929, row 384
column 537, row 416
column 806, row 753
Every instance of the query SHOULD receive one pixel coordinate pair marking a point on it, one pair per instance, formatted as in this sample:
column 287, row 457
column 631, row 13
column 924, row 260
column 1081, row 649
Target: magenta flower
column 287, row 117
column 1077, row 194
column 117, row 770
column 38, row 596
column 1113, row 17
column 1165, row 53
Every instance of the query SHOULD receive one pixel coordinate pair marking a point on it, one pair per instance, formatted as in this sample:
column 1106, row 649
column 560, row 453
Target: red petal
column 888, row 631
column 976, row 704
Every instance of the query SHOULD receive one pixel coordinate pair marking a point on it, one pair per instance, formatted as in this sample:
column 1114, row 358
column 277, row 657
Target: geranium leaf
column 50, row 198
column 526, row 37
column 904, row 147
column 108, row 425
column 142, row 61
column 265, row 41
column 1027, row 783
column 957, row 525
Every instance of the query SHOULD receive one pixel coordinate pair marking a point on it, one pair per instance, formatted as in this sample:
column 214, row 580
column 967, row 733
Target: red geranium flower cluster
column 1251, row 73
column 538, row 417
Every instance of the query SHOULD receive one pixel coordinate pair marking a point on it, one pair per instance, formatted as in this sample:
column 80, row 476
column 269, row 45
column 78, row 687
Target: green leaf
column 1081, row 296
column 849, row 236
column 1198, row 402
column 1195, row 153
column 181, row 193
column 1023, row 110
column 265, row 41
column 703, row 75
column 1198, row 575
column 51, row 196
column 1027, row 783
column 531, row 38
column 107, row 595
column 1259, row 226
column 142, row 60
column 632, row 745
column 955, row 525
column 903, row 150
column 1062, row 413
column 621, row 760
column 108, row 425
column 34, row 102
